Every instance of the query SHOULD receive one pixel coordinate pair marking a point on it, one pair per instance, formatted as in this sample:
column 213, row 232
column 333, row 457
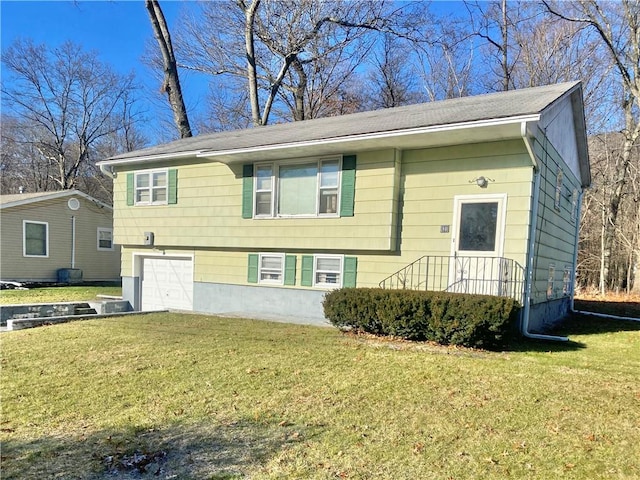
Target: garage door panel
column 167, row 283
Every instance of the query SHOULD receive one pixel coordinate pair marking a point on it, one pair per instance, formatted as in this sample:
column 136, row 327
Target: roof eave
column 53, row 196
column 421, row 137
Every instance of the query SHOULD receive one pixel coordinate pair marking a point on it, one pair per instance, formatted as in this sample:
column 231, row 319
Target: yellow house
column 57, row 236
column 477, row 194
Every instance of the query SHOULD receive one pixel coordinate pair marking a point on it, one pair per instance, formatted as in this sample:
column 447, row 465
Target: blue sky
column 117, row 30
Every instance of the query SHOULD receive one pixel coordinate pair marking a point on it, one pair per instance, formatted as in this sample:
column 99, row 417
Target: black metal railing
column 479, row 275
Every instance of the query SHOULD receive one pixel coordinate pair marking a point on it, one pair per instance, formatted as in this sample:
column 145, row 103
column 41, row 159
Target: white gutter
column 523, row 119
column 145, row 158
column 531, row 247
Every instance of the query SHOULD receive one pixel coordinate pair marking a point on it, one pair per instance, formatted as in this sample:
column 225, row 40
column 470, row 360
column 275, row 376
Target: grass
column 57, row 294
column 202, row 397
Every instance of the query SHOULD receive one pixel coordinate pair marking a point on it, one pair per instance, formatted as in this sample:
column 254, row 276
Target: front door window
column 478, row 226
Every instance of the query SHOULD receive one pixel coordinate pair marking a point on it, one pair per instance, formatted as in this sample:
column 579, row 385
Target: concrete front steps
column 17, row 317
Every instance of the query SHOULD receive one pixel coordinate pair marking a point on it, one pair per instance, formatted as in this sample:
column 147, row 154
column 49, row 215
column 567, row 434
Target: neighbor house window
column 151, row 187
column 327, row 271
column 271, row 268
column 297, row 189
column 35, row 239
column 105, row 239
column 574, row 205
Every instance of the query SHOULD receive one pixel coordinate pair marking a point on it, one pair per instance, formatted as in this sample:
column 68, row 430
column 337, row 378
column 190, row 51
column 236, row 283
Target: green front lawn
column 57, row 294
column 206, row 397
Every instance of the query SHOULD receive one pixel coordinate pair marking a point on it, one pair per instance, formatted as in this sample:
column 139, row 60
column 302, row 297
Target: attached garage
column 166, row 283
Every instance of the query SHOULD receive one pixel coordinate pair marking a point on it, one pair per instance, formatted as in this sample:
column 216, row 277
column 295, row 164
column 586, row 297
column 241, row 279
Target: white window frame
column 270, row 190
column 151, row 188
column 275, row 187
column 101, row 230
column 318, row 284
column 24, row 239
column 262, row 270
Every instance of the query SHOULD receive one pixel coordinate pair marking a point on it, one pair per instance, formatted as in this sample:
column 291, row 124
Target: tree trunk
column 252, row 73
column 299, row 91
column 505, row 46
column 171, row 83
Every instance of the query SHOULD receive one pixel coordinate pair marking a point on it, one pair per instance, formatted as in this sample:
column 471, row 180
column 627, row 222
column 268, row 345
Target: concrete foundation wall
column 544, row 316
column 287, row 304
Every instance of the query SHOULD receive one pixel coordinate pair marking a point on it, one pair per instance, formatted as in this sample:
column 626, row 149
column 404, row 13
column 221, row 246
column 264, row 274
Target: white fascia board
column 365, row 137
column 226, row 156
column 53, row 196
column 148, row 158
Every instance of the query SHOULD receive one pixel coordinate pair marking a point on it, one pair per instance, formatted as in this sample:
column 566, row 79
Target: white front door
column 477, row 244
column 167, row 283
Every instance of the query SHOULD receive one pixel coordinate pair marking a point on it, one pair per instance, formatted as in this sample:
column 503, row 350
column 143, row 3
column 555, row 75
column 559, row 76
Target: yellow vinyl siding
column 209, row 213
column 555, row 235
column 416, row 186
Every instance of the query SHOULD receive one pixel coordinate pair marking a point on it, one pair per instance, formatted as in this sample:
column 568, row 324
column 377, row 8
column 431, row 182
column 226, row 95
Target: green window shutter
column 247, row 190
column 131, row 193
column 252, row 274
column 348, row 186
column 290, row 270
column 172, row 197
column 307, row 271
column 350, row 269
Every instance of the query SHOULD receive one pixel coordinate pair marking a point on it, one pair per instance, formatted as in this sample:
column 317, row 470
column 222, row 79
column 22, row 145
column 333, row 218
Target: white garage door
column 167, row 283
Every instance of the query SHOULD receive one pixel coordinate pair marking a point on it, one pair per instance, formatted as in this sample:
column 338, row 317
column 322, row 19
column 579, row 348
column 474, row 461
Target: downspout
column 73, row 241
column 107, row 170
column 531, row 245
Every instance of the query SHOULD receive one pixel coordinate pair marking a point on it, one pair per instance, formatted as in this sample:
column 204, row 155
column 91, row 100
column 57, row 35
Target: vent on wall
column 73, row 204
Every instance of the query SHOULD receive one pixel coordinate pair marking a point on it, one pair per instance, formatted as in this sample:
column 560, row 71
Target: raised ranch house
column 478, row 194
column 57, row 236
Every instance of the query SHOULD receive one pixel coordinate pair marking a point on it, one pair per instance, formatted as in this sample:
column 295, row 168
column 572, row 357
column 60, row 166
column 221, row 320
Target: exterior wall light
column 482, row 181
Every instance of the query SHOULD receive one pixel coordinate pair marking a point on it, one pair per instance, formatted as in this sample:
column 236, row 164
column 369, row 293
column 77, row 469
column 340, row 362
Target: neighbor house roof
column 460, row 120
column 14, row 200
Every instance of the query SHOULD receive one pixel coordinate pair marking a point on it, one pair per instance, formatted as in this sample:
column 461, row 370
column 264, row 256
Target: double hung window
column 151, row 187
column 105, row 239
column 271, row 268
column 327, row 271
column 297, row 189
column 35, row 241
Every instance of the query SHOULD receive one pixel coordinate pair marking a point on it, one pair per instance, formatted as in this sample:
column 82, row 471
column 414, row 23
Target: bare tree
column 617, row 24
column 273, row 47
column 392, row 80
column 171, row 84
column 67, row 101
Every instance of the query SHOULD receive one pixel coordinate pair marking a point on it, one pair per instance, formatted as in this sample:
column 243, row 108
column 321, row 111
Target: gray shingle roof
column 514, row 103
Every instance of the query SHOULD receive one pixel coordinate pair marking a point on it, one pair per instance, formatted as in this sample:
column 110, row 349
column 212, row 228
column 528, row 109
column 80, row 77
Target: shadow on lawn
column 574, row 324
column 216, row 451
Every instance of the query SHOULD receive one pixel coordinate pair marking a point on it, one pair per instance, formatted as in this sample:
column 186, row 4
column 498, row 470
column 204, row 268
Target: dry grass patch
column 193, row 397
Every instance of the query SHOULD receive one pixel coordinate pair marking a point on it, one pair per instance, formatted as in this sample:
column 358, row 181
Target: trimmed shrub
column 478, row 321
